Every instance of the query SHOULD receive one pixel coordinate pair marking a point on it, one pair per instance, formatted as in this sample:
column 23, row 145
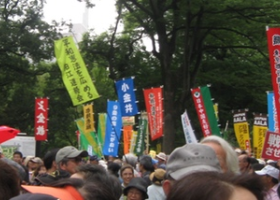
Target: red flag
column 153, row 101
column 271, row 147
column 41, row 118
column 273, row 39
column 7, row 133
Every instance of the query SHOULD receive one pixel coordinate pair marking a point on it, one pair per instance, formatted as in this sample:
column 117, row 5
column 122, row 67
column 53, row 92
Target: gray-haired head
column 130, row 159
column 231, row 157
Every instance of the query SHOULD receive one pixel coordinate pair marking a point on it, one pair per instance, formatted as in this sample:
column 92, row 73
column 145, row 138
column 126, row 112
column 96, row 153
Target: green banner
column 140, row 142
column 87, row 139
column 101, row 129
column 74, row 72
column 210, row 112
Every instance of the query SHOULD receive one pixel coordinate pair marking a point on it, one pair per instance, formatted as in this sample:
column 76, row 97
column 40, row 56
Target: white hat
column 161, row 156
column 270, row 171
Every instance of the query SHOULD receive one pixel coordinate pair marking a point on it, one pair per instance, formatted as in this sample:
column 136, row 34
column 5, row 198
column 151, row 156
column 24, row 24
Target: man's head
column 224, row 151
column 188, row 159
column 17, row 157
column 244, row 162
column 49, row 160
column 68, row 158
column 161, row 157
column 94, row 160
column 269, row 175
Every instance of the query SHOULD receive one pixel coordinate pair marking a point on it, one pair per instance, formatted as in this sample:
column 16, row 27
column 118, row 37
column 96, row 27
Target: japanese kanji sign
column 127, row 135
column 259, row 130
column 273, row 40
column 142, row 131
column 154, row 107
column 241, row 130
column 187, row 127
column 271, row 148
column 113, row 129
column 126, row 94
column 89, row 119
column 41, row 118
column 74, row 72
column 205, row 111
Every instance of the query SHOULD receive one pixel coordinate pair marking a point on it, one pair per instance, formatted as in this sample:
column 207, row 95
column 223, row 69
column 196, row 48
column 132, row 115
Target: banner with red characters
column 273, row 40
column 154, row 107
column 41, row 118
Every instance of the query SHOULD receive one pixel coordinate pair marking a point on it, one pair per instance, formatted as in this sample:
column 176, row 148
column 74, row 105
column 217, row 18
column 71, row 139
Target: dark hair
column 147, row 163
column 126, row 166
column 114, row 168
column 49, row 158
column 9, row 181
column 213, row 185
column 95, row 173
column 17, row 153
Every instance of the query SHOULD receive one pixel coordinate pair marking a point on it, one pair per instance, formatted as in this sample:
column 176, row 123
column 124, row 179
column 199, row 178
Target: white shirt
column 156, row 192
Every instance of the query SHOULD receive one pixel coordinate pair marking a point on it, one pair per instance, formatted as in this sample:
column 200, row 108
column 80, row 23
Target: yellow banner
column 133, row 141
column 258, row 139
column 89, row 136
column 242, row 135
column 89, row 119
column 74, row 72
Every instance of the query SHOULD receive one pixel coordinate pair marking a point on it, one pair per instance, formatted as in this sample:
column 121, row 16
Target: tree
column 186, row 37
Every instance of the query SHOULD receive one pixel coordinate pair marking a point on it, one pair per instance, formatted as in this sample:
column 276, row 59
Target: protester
column 270, row 177
column 214, row 186
column 9, row 181
column 146, row 167
column 126, row 173
column 161, row 157
column 131, row 159
column 17, row 157
column 188, row 159
column 244, row 163
column 49, row 161
column 113, row 168
column 68, row 158
column 155, row 191
column 224, row 151
column 94, row 160
column 36, row 196
column 136, row 189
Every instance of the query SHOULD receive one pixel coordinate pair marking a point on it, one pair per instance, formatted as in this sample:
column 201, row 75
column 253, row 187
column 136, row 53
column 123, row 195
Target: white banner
column 187, row 127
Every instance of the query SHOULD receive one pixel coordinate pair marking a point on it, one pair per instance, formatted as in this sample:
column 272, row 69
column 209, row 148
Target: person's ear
column 62, row 166
column 166, row 185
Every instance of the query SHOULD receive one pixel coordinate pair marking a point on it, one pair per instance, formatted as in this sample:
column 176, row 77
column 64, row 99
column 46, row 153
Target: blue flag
column 126, row 94
column 272, row 113
column 113, row 129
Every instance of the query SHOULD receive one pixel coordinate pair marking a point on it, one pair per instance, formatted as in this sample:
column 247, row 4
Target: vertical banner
column 89, row 141
column 272, row 113
column 140, row 142
column 271, row 147
column 259, row 130
column 133, row 141
column 127, row 134
column 89, row 119
column 101, row 128
column 126, row 95
column 41, row 118
column 273, row 40
column 113, row 129
column 187, row 127
column 205, row 111
column 74, row 72
column 154, row 107
column 241, row 129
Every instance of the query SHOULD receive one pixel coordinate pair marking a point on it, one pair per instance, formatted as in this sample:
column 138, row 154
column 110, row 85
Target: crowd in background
column 211, row 169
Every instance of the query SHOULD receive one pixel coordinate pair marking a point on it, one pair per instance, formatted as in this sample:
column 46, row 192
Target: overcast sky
column 100, row 17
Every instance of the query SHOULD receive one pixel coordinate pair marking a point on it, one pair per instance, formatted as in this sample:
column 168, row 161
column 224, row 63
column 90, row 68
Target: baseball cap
column 191, row 158
column 161, row 156
column 65, row 193
column 30, row 196
column 36, row 160
column 69, row 152
column 94, row 157
column 270, row 171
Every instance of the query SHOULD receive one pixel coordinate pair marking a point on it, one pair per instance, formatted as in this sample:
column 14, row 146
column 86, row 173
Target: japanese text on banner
column 271, row 148
column 41, row 118
column 126, row 95
column 74, row 72
column 89, row 119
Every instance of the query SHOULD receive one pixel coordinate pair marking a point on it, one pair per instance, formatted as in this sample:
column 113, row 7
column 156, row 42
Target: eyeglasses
column 134, row 192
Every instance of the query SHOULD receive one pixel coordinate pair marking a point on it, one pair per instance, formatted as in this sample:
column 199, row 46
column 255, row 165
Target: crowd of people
column 211, row 169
